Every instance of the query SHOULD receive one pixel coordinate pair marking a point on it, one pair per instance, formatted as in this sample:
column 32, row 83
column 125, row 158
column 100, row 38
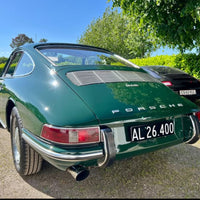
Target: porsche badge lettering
column 128, row 110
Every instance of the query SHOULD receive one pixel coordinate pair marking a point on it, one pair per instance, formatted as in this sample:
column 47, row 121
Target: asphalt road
column 169, row 173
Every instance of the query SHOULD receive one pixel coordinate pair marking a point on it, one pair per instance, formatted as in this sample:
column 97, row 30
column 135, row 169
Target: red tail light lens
column 71, row 135
column 167, row 83
column 198, row 115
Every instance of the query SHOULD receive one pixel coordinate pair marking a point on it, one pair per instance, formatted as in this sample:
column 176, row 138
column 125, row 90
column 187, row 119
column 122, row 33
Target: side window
column 15, row 60
column 24, row 66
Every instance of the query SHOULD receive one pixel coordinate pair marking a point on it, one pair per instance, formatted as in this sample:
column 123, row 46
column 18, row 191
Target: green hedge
column 190, row 63
column 157, row 60
column 1, row 67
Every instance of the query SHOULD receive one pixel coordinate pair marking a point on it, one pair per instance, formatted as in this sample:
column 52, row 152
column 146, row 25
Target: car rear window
column 166, row 70
column 70, row 56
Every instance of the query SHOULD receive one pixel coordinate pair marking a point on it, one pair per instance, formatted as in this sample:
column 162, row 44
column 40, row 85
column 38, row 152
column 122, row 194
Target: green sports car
column 79, row 106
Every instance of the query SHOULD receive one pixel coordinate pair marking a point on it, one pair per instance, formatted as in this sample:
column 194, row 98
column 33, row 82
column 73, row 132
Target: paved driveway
column 168, row 173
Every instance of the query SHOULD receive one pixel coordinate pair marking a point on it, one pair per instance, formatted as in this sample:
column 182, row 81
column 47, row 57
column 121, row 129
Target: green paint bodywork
column 40, row 101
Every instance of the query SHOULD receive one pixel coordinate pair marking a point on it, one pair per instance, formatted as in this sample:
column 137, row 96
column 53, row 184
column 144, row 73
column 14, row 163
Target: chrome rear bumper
column 108, row 153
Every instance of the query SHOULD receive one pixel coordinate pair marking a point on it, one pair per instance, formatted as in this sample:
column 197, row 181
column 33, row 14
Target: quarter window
column 21, row 64
column 15, row 60
column 24, row 66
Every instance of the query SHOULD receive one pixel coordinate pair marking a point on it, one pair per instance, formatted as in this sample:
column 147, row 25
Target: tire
column 26, row 160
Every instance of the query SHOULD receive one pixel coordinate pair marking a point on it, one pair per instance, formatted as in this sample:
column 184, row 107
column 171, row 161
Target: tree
column 43, row 40
column 118, row 34
column 20, row 40
column 3, row 60
column 175, row 23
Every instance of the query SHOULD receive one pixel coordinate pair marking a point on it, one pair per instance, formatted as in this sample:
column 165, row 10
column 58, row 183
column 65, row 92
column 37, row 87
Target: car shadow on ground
column 167, row 173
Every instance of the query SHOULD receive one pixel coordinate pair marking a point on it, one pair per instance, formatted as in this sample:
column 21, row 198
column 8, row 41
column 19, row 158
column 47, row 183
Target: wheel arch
column 9, row 107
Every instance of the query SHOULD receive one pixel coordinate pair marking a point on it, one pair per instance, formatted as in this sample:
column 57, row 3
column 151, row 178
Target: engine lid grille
column 88, row 77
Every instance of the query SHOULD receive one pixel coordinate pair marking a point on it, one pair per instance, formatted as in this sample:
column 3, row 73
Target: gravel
column 167, row 173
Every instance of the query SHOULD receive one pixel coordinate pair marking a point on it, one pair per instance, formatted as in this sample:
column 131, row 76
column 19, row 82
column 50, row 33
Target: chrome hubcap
column 16, row 147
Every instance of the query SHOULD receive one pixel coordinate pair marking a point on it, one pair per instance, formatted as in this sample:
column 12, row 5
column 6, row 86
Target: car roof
column 61, row 45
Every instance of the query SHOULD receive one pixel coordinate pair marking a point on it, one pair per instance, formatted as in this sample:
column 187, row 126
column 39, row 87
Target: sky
column 55, row 20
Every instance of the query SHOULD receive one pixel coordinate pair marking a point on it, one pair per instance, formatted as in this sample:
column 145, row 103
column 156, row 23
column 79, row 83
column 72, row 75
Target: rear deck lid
column 124, row 93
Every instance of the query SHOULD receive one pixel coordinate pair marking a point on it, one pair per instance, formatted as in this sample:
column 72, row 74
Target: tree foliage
column 3, row 60
column 119, row 34
column 43, row 40
column 21, row 39
column 175, row 23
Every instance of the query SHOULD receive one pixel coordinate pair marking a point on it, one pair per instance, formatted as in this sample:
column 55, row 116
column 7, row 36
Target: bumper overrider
column 73, row 160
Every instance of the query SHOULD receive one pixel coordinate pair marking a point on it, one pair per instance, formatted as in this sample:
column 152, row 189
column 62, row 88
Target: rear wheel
column 26, row 160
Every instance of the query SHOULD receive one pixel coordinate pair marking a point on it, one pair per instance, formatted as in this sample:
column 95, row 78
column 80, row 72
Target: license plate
column 187, row 92
column 139, row 133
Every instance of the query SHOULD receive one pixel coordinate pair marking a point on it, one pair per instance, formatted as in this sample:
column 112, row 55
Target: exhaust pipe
column 78, row 172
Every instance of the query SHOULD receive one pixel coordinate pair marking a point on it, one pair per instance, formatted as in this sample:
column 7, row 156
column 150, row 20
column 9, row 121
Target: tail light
column 198, row 115
column 167, row 83
column 71, row 135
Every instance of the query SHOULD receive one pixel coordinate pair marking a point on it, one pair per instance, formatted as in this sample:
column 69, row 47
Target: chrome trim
column 45, row 57
column 192, row 118
column 61, row 156
column 109, row 148
column 126, row 61
column 127, row 121
column 3, row 125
